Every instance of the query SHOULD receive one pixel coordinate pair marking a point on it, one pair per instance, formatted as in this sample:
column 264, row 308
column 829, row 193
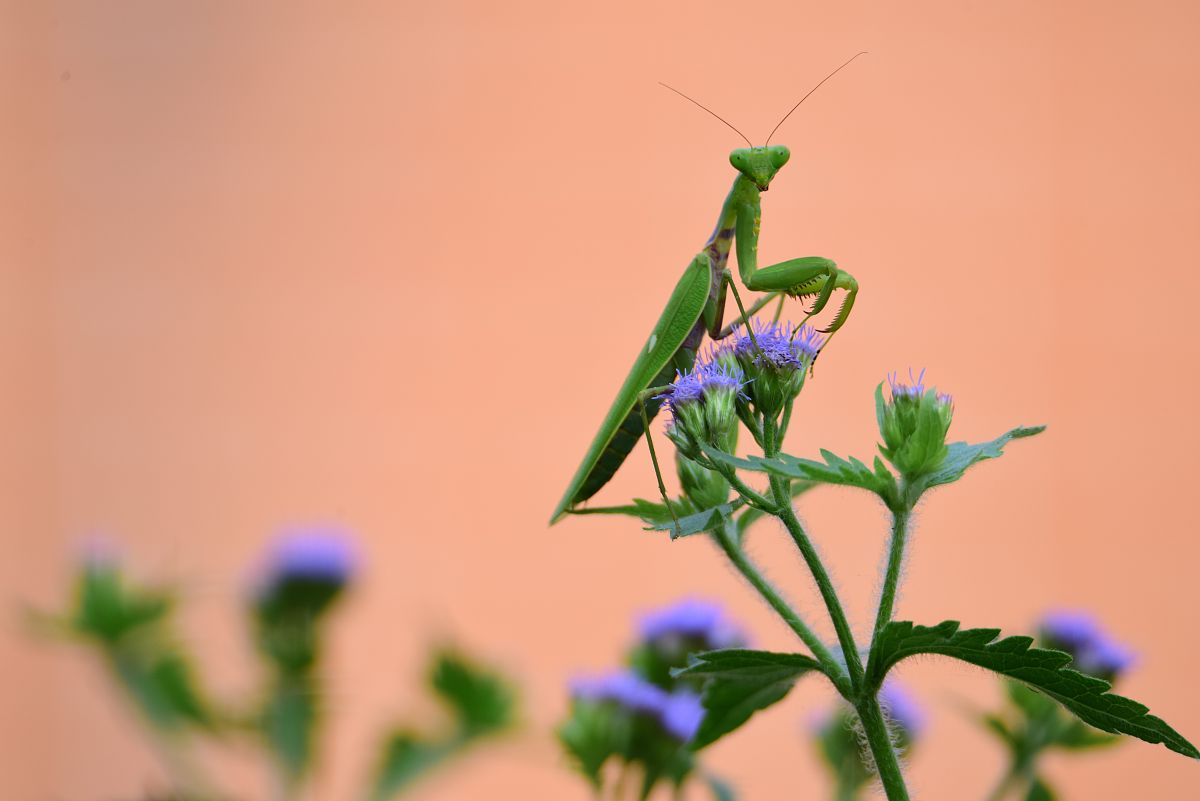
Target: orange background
column 385, row 263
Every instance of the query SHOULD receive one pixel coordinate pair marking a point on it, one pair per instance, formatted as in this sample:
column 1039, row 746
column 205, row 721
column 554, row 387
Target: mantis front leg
column 809, row 276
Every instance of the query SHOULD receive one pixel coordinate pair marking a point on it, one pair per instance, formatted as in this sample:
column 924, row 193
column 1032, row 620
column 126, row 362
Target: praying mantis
column 697, row 304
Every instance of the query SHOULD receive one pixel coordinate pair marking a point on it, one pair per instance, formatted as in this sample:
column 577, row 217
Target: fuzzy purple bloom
column 704, row 378
column 780, row 346
column 1080, row 634
column 1073, row 629
column 902, row 709
column 682, row 715
column 692, row 619
column 323, row 555
column 678, row 713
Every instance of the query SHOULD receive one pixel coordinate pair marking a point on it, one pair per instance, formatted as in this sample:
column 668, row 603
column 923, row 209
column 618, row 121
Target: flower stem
column 891, row 579
column 727, row 538
column 880, row 742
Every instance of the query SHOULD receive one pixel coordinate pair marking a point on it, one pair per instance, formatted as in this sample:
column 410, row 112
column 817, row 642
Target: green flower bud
column 913, row 425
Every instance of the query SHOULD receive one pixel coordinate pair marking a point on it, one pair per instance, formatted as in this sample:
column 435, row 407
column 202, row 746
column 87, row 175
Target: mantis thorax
column 759, row 164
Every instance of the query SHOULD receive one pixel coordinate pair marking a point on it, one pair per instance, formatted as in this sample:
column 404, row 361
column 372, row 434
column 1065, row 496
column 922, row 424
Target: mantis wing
column 663, row 353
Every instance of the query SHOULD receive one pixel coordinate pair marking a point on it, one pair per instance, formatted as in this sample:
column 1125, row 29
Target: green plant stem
column 752, row 497
column 824, row 583
column 891, row 579
column 886, row 761
column 845, row 792
column 728, row 540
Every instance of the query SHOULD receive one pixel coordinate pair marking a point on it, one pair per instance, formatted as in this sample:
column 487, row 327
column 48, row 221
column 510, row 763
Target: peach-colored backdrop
column 384, row 263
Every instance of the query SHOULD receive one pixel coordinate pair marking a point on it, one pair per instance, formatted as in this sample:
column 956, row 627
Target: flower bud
column 703, row 402
column 776, row 358
column 913, row 424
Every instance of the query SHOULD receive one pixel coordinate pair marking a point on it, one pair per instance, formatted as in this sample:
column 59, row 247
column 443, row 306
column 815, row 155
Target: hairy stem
column 886, row 761
column 891, row 578
column 727, row 538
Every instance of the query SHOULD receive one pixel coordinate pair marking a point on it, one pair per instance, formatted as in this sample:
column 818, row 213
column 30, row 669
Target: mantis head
column 760, row 164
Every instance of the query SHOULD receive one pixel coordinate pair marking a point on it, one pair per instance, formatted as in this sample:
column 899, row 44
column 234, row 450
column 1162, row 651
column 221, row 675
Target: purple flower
column 682, row 715
column 1080, row 634
column 780, row 346
column 306, row 567
column 1069, row 628
column 691, row 619
column 901, row 708
column 703, row 380
column 678, row 713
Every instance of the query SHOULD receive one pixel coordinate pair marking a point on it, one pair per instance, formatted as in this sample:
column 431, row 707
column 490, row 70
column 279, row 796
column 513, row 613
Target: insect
column 697, row 305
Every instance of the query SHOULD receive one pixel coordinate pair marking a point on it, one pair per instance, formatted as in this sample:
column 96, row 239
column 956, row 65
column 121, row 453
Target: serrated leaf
column 697, row 522
column 834, row 470
column 1044, row 670
column 739, row 683
column 961, row 456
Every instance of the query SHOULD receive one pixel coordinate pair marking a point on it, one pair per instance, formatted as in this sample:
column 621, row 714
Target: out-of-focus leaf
column 482, row 700
column 740, row 682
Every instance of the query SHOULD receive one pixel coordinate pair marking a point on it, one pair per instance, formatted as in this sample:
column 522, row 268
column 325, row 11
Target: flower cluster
column 775, row 358
column 678, row 713
column 703, row 401
column 696, row 624
column 1094, row 651
column 641, row 715
column 306, row 568
column 913, row 423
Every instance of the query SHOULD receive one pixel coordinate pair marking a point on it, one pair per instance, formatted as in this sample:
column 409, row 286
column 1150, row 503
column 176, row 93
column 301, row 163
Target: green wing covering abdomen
column 655, row 365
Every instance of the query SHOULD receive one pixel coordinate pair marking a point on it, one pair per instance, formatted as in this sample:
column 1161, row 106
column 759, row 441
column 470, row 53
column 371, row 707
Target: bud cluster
column 913, row 424
column 776, row 359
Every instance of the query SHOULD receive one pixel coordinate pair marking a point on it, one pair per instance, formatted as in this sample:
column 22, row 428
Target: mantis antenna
column 710, row 111
column 810, row 91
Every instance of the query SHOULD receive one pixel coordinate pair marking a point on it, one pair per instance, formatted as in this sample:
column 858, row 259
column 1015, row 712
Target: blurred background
column 384, row 265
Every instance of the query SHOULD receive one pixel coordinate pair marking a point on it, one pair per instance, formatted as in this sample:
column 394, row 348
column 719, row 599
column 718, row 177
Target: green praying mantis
column 697, row 306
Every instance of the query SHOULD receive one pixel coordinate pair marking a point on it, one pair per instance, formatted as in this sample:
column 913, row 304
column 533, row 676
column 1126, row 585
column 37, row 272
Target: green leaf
column 962, row 456
column 697, row 522
column 483, row 702
column 739, row 683
column 1082, row 737
column 834, row 470
column 1040, row 791
column 1044, row 670
column 406, row 757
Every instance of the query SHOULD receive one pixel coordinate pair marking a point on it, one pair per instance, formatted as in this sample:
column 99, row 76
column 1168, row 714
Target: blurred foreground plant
column 305, row 573
column 1030, row 724
column 635, row 722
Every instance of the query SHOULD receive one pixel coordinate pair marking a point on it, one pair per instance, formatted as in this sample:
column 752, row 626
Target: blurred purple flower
column 1094, row 651
column 901, row 708
column 692, row 619
column 322, row 555
column 678, row 713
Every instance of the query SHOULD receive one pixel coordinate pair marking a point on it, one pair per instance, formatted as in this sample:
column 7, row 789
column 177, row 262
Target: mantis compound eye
column 739, row 160
column 779, row 156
